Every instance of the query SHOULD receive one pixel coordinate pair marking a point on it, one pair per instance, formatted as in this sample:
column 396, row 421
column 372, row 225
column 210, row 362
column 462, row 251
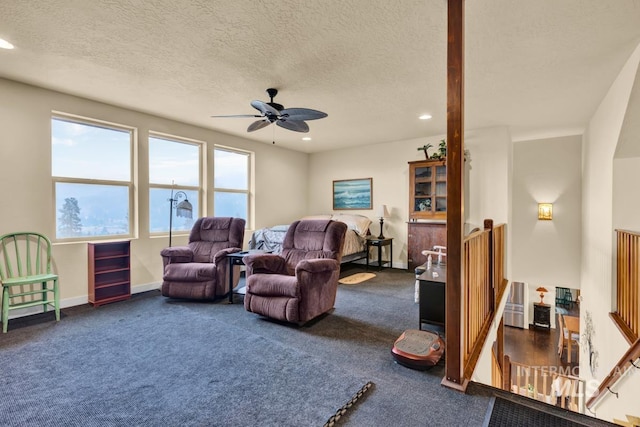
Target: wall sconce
column 542, row 290
column 545, row 211
column 382, row 213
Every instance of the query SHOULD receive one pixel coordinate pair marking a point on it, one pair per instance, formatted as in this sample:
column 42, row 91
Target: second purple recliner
column 301, row 282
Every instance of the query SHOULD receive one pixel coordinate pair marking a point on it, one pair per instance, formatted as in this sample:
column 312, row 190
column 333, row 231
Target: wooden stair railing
column 627, row 314
column 483, row 283
column 626, row 362
column 496, row 368
column 544, row 384
column 499, row 280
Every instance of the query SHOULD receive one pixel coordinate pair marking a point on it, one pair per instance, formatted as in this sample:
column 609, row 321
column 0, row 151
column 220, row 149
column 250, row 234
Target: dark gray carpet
column 152, row 361
column 149, row 362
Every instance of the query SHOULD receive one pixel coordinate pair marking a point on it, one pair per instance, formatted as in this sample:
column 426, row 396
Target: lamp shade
column 382, row 212
column 542, row 290
column 184, row 209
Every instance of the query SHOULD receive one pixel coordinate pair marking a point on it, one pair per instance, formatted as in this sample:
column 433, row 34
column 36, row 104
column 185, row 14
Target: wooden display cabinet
column 421, row 236
column 427, row 189
column 109, row 272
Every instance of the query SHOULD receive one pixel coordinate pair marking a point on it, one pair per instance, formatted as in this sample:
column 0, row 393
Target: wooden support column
column 454, row 377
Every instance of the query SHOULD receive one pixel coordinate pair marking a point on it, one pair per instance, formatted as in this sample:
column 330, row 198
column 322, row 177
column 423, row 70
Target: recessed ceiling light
column 5, row 44
column 425, row 117
column 306, row 138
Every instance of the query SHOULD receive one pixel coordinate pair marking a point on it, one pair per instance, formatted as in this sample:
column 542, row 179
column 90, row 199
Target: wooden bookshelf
column 109, row 272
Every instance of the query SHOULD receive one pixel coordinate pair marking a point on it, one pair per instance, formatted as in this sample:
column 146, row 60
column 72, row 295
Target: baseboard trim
column 75, row 301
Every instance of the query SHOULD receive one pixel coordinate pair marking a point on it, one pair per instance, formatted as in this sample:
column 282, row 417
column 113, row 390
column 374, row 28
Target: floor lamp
column 183, row 209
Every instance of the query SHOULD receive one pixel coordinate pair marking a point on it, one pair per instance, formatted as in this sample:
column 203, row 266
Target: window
column 231, row 183
column 174, row 165
column 91, row 168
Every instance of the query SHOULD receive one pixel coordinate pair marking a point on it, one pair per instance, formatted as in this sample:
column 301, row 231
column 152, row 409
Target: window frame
column 177, row 187
column 248, row 192
column 130, row 184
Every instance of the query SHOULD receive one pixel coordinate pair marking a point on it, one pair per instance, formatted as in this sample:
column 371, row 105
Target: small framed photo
column 352, row 194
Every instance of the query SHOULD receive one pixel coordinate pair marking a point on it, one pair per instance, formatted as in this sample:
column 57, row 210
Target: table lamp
column 383, row 213
column 542, row 290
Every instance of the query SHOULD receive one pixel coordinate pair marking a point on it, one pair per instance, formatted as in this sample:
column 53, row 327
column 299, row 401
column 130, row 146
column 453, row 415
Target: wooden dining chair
column 563, row 336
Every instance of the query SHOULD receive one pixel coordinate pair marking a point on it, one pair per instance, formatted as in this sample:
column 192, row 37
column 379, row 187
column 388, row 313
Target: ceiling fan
column 288, row 118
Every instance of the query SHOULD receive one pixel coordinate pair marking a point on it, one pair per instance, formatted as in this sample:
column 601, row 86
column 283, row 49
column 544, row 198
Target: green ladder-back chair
column 25, row 263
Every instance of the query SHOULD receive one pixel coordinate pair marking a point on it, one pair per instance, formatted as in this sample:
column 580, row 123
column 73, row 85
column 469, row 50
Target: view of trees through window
column 91, row 169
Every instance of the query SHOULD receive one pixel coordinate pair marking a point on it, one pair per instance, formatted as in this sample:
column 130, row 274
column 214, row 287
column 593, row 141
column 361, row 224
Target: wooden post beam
column 454, row 377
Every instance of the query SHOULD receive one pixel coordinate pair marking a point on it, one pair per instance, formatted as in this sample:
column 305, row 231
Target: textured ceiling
column 538, row 67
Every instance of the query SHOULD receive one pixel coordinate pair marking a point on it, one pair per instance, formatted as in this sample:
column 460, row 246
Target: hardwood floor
column 538, row 347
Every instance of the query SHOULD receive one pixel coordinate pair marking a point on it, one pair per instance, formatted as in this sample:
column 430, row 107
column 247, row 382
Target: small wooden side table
column 234, row 259
column 379, row 243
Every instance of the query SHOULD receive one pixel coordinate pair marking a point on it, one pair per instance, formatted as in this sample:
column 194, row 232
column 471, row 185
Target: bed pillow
column 358, row 223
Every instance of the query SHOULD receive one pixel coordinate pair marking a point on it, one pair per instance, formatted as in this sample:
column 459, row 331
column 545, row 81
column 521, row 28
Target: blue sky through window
column 91, row 152
column 88, row 152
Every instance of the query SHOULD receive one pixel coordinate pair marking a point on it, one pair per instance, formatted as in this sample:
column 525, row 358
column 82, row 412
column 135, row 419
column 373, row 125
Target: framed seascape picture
column 352, row 194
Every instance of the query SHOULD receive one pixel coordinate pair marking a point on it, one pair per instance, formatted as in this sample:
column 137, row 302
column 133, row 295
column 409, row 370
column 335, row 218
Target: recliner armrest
column 317, row 275
column 317, row 265
column 176, row 254
column 222, row 254
column 264, row 263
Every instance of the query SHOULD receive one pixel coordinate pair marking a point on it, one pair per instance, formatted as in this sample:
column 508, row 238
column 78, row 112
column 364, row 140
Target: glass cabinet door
column 441, row 189
column 428, row 192
column 423, row 189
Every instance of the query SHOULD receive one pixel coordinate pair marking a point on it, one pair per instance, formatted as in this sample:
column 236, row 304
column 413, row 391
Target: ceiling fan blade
column 265, row 108
column 258, row 124
column 295, row 125
column 302, row 114
column 243, row 116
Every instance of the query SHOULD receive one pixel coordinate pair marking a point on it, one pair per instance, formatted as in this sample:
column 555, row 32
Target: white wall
column 599, row 144
column 626, row 197
column 489, row 175
column 547, row 253
column 25, row 176
column 387, row 164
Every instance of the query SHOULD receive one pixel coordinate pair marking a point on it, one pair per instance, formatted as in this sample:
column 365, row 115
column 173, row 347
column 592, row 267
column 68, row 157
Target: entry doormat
column 505, row 413
column 356, row 278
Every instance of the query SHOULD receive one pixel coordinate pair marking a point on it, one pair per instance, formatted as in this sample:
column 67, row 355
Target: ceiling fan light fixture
column 270, row 112
column 425, row 116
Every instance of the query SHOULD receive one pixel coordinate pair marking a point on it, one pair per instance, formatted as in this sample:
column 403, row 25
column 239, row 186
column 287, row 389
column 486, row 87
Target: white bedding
column 353, row 243
column 270, row 239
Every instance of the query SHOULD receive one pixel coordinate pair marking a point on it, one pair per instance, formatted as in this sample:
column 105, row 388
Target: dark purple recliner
column 199, row 270
column 301, row 282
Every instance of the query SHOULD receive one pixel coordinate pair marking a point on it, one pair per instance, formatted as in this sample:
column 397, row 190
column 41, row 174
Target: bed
column 354, row 248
